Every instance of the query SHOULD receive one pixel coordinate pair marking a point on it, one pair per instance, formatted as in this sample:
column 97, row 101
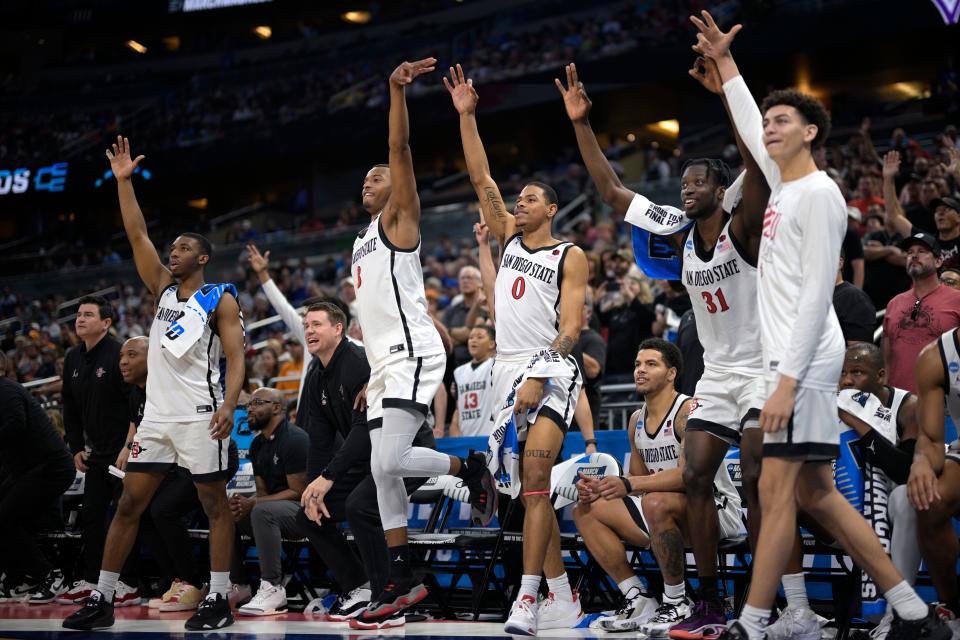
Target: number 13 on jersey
column 712, row 307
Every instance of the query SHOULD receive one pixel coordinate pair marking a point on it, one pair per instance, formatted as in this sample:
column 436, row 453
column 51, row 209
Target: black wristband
column 589, row 441
column 129, row 446
column 626, row 483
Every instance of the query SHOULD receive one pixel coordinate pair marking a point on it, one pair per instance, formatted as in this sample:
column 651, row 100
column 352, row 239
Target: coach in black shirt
column 341, row 486
column 96, row 418
column 37, row 470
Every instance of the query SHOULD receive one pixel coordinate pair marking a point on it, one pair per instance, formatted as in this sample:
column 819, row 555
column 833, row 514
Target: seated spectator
column 855, row 311
column 279, row 456
column 868, row 194
column 852, row 268
column 267, row 364
column 37, row 469
column 920, row 315
column 591, row 354
column 455, row 316
column 884, row 270
column 950, row 277
column 291, row 368
column 627, row 315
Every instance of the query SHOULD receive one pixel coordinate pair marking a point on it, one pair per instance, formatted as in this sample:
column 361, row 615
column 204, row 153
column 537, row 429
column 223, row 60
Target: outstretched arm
column 755, row 193
column 260, row 263
column 578, row 105
column 488, row 269
column 715, row 44
column 401, row 216
column 894, row 219
column 465, row 98
column 154, row 275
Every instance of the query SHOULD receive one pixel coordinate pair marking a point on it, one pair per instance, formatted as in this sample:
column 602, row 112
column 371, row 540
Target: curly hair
column 811, row 109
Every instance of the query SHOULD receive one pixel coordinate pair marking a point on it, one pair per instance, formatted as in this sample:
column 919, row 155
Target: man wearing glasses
column 919, row 315
column 279, row 457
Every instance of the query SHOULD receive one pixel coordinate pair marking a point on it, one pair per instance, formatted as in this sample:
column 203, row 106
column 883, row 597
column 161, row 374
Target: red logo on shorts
column 136, row 449
column 694, row 403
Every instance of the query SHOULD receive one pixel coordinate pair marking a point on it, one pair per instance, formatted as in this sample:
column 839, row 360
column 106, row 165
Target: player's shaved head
column 868, row 354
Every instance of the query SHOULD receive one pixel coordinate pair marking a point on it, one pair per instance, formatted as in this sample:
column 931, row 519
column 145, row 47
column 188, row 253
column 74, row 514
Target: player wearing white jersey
column 406, row 356
column 539, row 299
column 934, row 484
column 648, row 506
column 718, row 268
column 472, row 382
column 802, row 347
column 187, row 413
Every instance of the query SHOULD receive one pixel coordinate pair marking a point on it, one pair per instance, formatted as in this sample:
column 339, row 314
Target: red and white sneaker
column 77, row 594
column 126, row 596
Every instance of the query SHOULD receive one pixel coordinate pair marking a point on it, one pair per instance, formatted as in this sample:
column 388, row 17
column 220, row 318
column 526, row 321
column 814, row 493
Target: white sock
column 906, row 602
column 795, row 589
column 107, row 584
column 529, row 586
column 630, row 583
column 560, row 587
column 220, row 582
column 674, row 592
column 754, row 621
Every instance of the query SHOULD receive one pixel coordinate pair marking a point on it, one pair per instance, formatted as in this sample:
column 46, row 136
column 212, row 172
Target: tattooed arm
column 572, row 293
column 465, row 100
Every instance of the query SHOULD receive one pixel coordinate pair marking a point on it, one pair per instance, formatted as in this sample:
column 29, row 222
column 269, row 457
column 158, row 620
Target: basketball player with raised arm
column 187, row 415
column 718, row 269
column 540, row 290
column 803, row 348
column 407, row 358
column 934, row 484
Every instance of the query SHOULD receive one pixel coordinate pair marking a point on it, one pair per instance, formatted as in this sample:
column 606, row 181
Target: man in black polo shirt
column 342, row 487
column 279, row 456
column 35, row 470
column 95, row 415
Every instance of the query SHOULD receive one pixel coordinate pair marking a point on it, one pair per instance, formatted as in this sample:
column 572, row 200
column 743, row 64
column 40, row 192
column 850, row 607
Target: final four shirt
column 528, row 296
column 803, row 229
column 391, row 304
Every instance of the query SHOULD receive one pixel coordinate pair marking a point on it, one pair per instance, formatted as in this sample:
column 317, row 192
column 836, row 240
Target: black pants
column 23, row 499
column 163, row 527
column 353, row 499
column 101, row 491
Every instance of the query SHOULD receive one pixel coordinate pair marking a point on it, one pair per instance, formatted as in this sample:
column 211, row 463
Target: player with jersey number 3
column 803, row 348
column 540, row 289
column 407, row 358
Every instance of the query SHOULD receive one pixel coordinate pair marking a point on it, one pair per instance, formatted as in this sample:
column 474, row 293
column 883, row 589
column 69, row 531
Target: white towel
column 187, row 329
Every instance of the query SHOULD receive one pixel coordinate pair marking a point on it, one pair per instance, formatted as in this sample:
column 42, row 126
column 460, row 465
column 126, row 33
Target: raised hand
column 954, row 167
column 891, row 165
column 258, row 262
column 481, row 232
column 711, row 41
column 407, row 72
column 120, row 159
column 462, row 93
column 706, row 73
column 574, row 95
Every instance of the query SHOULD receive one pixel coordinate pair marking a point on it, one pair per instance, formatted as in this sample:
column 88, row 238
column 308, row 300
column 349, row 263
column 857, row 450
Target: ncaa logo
column 954, row 367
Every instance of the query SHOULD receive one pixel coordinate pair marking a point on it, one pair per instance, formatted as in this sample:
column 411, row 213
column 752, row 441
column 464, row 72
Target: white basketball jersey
column 950, row 356
column 661, row 451
column 184, row 389
column 473, row 397
column 723, row 292
column 391, row 305
column 528, row 296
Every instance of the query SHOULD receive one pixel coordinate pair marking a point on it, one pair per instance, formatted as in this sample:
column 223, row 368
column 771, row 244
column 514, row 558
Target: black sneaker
column 212, row 613
column 395, row 597
column 96, row 613
column 735, row 632
column 929, row 628
column 483, row 489
column 51, row 587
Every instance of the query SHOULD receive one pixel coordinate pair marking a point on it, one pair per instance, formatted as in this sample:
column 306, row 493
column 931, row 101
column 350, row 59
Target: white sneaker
column 349, row 605
column 270, row 600
column 78, row 593
column 795, row 623
column 667, row 615
column 523, row 617
column 637, row 609
column 557, row 613
column 126, row 596
column 880, row 631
